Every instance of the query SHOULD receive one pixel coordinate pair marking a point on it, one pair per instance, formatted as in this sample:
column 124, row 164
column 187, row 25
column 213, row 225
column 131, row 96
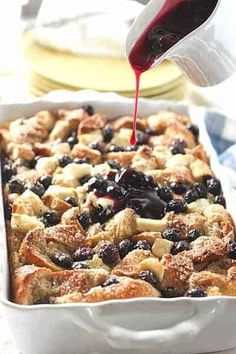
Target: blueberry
column 83, row 254
column 194, row 129
column 65, row 160
column 89, row 109
column 114, row 165
column 8, row 211
column 179, row 187
column 101, row 215
column 97, row 146
column 165, row 193
column 80, row 161
column 232, row 250
column 106, row 214
column 45, row 181
column 63, row 260
column 5, row 160
column 80, row 265
column 72, row 201
column 109, row 254
column 170, row 292
column 177, row 205
column 84, row 220
column 196, row 292
column 37, row 188
column 84, row 179
column 142, row 245
column 201, row 190
column 149, row 277
column 110, row 281
column 214, row 186
column 178, row 146
column 42, row 302
column 125, row 247
column 173, row 235
column 191, row 196
column 220, row 199
column 193, row 235
column 150, row 132
column 50, row 218
column 95, row 215
column 97, row 184
column 72, row 140
column 8, row 171
column 205, row 179
column 149, row 182
column 114, row 148
column 142, row 138
column 16, row 186
column 180, row 247
column 131, row 178
column 114, row 190
column 33, row 162
column 107, row 133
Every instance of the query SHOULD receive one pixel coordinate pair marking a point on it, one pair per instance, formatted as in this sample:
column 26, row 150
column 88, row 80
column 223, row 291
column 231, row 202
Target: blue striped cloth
column 222, row 131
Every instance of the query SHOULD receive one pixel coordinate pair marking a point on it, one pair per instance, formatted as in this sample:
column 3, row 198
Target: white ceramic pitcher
column 207, row 56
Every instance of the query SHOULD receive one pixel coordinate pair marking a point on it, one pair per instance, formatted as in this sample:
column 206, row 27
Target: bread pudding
column 90, row 218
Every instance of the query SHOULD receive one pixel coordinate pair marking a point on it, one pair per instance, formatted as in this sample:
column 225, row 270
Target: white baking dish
column 181, row 325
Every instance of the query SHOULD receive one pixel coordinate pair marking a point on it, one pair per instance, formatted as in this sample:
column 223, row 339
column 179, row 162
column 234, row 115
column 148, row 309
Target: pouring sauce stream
column 175, row 20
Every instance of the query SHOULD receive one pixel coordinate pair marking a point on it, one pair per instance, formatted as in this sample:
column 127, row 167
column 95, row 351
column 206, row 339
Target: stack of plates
column 50, row 70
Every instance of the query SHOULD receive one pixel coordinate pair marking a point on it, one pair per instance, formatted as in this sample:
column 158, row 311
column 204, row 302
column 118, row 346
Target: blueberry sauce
column 129, row 188
column 175, row 20
column 133, row 138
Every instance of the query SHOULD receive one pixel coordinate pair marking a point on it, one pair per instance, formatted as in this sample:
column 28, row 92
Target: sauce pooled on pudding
column 131, row 189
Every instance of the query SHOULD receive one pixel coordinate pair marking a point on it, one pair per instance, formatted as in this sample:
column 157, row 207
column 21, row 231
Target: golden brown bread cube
column 177, row 270
column 82, row 152
column 89, row 124
column 129, row 265
column 33, row 284
column 127, row 122
column 214, row 284
column 208, row 249
column 125, row 288
column 40, row 245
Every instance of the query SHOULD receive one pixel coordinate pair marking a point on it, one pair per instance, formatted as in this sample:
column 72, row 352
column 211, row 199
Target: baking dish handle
column 120, row 337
